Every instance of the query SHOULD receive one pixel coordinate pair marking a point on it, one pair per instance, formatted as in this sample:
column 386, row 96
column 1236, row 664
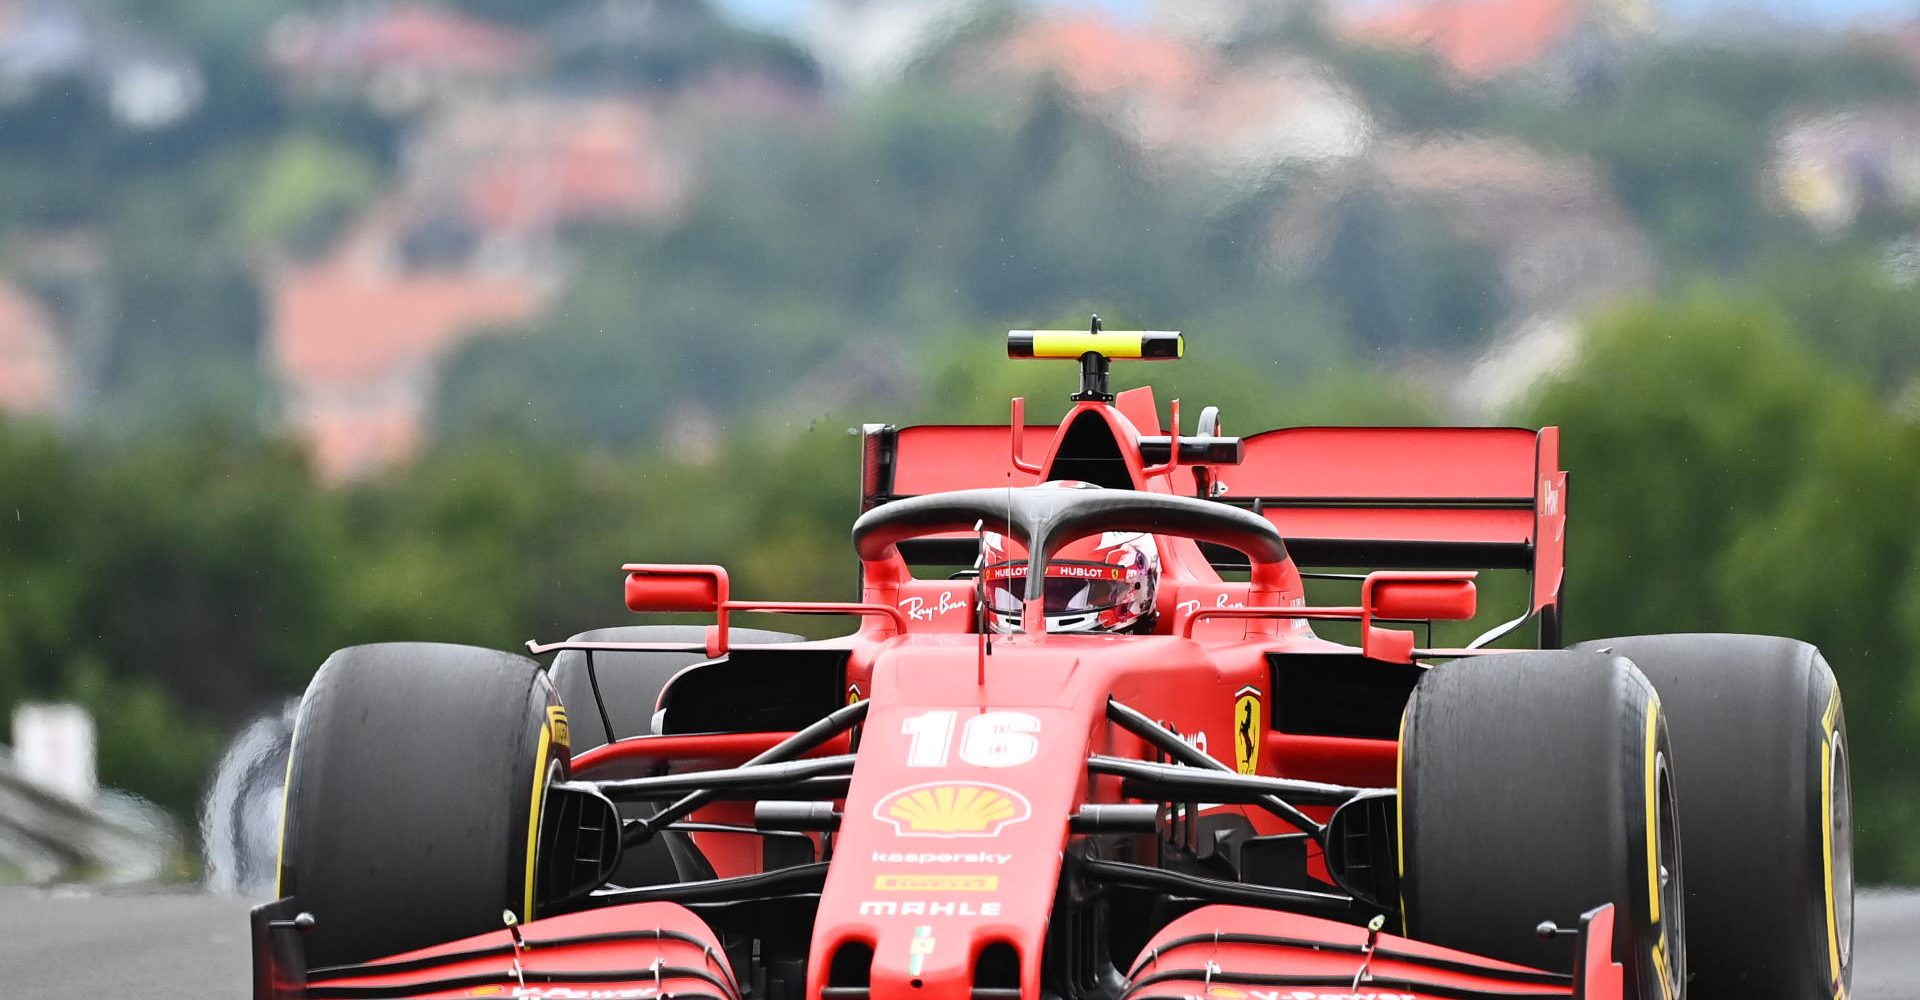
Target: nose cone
column 938, row 954
column 941, row 886
column 949, row 851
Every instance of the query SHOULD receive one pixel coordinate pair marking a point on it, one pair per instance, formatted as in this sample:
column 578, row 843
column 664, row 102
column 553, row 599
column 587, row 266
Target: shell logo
column 953, row 809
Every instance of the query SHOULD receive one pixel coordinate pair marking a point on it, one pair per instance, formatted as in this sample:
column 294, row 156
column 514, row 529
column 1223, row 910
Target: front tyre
column 414, row 795
column 1537, row 786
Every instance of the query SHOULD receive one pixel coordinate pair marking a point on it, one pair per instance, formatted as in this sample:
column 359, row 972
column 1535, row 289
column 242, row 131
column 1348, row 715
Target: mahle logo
column 953, row 809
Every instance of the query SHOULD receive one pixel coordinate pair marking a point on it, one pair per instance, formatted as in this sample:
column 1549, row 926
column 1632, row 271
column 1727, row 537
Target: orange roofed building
column 400, row 54
column 356, row 342
column 33, row 364
column 1182, row 101
column 468, row 242
column 1481, row 39
column 1097, row 57
column 524, row 166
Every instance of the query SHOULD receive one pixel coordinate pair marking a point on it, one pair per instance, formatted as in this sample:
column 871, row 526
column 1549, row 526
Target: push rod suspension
column 1165, row 741
column 831, row 725
column 1216, row 786
column 747, row 777
column 1334, row 906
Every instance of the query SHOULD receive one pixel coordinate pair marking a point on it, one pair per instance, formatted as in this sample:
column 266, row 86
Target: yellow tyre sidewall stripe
column 1650, row 758
column 286, row 792
column 1828, row 723
column 1400, row 815
column 539, row 798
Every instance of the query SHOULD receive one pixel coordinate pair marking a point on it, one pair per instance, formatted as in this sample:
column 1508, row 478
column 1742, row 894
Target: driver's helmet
column 1101, row 583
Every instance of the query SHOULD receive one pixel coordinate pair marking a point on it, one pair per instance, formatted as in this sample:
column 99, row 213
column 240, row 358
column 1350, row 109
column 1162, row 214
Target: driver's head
column 1100, row 583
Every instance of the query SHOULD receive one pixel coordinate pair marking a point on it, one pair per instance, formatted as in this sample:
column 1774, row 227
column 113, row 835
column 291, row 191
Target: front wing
column 663, row 951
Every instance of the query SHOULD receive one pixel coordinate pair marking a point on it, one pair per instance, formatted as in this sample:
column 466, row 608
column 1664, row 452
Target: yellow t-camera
column 1070, row 345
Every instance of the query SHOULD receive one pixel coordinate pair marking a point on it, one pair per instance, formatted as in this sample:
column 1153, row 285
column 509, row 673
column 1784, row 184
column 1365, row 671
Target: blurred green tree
column 925, row 213
column 1685, row 135
column 304, row 191
column 1855, row 307
column 1726, row 478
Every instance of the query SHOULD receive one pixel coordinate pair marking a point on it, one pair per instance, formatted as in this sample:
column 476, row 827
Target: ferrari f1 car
column 977, row 796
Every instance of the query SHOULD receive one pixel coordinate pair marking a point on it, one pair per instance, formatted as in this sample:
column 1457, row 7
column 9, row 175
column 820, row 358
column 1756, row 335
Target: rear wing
column 1412, row 498
column 1346, row 497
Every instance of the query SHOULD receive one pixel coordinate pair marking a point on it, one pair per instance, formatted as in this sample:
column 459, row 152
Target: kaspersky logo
column 953, row 809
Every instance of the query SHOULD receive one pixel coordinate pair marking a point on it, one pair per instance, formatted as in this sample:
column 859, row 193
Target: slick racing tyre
column 629, row 683
column 1537, row 786
column 414, row 795
column 1760, row 746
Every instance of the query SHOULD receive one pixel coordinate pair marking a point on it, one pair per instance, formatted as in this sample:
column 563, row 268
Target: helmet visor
column 1072, row 588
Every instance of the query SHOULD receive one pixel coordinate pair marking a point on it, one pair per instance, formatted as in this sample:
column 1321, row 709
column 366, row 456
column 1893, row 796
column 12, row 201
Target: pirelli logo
column 936, row 883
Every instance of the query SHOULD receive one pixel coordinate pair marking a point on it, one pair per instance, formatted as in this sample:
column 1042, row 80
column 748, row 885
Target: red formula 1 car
column 1101, row 754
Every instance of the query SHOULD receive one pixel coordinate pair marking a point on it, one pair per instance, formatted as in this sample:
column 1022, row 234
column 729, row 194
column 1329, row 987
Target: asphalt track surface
column 60, row 945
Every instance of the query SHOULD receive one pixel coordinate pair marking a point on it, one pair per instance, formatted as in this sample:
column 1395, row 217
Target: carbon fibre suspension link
column 1140, row 725
column 831, row 725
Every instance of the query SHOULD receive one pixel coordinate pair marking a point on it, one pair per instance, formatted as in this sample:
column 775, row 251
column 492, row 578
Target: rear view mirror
column 1445, row 596
column 691, row 589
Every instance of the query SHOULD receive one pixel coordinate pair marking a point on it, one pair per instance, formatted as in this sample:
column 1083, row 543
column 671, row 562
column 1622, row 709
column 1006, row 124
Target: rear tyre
column 1537, row 786
column 414, row 794
column 629, row 683
column 1760, row 744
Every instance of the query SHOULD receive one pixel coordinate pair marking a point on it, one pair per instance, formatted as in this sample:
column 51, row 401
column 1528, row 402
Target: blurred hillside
column 335, row 322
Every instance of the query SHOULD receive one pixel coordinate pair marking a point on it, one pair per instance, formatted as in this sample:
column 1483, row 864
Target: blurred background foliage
column 1645, row 243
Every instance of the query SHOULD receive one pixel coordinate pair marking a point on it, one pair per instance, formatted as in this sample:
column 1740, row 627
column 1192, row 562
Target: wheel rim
column 1673, row 900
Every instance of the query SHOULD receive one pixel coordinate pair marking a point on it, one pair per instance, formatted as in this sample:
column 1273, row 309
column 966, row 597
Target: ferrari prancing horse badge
column 1248, row 728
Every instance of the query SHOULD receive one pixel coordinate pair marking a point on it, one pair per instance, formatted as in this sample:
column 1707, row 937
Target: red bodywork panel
column 1241, row 953
column 641, row 951
column 970, row 766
